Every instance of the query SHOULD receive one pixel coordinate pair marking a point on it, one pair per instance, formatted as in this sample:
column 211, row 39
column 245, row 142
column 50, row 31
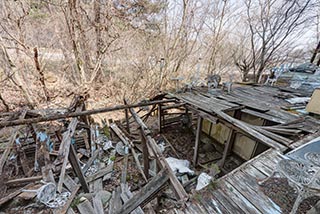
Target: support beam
column 77, row 114
column 197, row 142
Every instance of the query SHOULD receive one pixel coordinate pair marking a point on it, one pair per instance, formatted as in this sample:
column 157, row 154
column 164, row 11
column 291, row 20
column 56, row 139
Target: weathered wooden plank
column 126, row 195
column 115, row 202
column 231, row 192
column 100, row 173
column 178, row 188
column 90, row 161
column 130, row 144
column 13, row 194
column 197, row 142
column 65, row 147
column 151, row 188
column 86, row 208
column 228, row 203
column 77, row 169
column 265, row 116
column 97, row 205
column 249, row 188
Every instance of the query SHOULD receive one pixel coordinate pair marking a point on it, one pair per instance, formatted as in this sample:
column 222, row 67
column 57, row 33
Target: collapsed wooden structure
column 249, row 113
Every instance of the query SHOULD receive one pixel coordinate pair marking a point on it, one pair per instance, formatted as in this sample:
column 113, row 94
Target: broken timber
column 148, row 190
column 77, row 114
column 178, row 188
column 128, row 143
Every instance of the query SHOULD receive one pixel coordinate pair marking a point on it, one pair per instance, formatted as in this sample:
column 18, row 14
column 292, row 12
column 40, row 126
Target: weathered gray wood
column 86, row 208
column 90, row 161
column 65, row 147
column 178, row 188
column 77, row 114
column 12, row 195
column 115, row 202
column 160, row 122
column 249, row 187
column 77, row 169
column 23, row 180
column 250, row 131
column 10, row 145
column 97, row 205
column 130, row 144
column 102, row 172
column 69, row 183
column 126, row 195
column 197, row 141
column 123, row 179
column 151, row 188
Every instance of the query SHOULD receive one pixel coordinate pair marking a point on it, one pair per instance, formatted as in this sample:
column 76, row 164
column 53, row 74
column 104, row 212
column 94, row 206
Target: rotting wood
column 100, row 173
column 10, row 145
column 13, row 194
column 123, row 179
column 90, row 161
column 77, row 169
column 171, row 146
column 126, row 195
column 146, row 163
column 65, row 146
column 97, row 205
column 77, row 114
column 153, row 186
column 130, row 144
column 23, row 180
column 115, row 202
column 86, row 207
column 178, row 188
column 197, row 141
column 247, row 130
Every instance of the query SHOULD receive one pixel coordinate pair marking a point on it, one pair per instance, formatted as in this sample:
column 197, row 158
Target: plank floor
column 238, row 191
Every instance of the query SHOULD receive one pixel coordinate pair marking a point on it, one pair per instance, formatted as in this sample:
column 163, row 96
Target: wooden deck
column 238, row 191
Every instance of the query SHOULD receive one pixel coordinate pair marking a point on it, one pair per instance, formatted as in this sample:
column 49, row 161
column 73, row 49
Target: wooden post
column 77, row 169
column 127, row 116
column 228, row 145
column 145, row 152
column 198, row 135
column 160, row 118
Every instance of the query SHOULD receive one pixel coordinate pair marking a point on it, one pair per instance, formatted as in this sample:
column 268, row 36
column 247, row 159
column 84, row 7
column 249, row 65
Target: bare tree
column 272, row 25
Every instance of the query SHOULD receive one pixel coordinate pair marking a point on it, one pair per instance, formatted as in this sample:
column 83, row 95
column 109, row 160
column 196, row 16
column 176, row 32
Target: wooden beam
column 146, row 163
column 77, row 114
column 249, row 131
column 148, row 190
column 77, row 169
column 65, row 147
column 159, row 118
column 197, row 142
